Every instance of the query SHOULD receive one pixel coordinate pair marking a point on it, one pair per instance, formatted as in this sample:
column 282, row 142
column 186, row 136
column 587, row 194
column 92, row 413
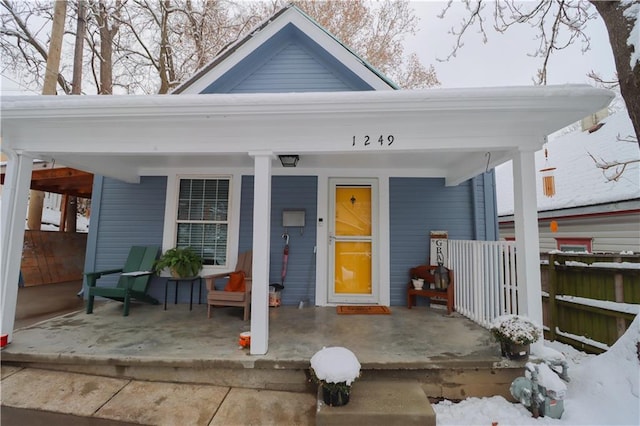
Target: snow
column 629, row 308
column 632, row 10
column 615, row 265
column 51, row 221
column 549, row 379
column 335, row 365
column 604, row 390
column 578, row 181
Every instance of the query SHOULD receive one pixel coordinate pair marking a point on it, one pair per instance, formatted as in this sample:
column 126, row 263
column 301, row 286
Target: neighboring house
column 593, row 214
column 378, row 168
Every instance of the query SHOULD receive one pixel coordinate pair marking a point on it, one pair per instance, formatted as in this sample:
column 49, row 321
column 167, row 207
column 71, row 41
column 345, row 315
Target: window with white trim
column 577, row 245
column 202, row 221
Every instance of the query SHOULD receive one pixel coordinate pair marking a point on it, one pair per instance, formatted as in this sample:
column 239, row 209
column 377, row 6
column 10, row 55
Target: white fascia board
column 569, row 102
column 258, row 37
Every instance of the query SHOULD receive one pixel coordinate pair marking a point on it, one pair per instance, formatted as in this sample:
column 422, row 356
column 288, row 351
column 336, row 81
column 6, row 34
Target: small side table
column 177, row 282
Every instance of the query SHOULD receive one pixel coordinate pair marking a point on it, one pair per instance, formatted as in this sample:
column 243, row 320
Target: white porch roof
column 436, row 132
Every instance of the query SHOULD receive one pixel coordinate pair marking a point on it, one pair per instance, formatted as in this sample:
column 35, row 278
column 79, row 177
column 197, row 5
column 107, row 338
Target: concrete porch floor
column 178, row 355
column 416, row 338
column 442, row 351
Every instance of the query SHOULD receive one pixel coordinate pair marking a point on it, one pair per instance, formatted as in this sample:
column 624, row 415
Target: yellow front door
column 352, row 239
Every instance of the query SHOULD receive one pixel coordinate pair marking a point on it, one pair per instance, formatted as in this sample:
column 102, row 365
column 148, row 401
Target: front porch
column 450, row 356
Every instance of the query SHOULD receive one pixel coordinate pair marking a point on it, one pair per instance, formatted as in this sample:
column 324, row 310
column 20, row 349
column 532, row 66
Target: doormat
column 363, row 310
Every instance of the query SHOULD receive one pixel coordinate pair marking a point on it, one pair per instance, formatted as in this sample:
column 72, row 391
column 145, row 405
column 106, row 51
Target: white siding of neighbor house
column 615, row 233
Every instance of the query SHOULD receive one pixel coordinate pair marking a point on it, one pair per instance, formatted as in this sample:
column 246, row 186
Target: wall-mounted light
column 289, row 160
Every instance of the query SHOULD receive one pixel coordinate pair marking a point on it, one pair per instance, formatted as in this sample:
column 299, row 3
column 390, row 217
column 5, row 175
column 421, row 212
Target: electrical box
column 293, row 218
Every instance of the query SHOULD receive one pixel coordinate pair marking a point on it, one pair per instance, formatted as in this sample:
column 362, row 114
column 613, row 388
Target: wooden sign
column 439, row 249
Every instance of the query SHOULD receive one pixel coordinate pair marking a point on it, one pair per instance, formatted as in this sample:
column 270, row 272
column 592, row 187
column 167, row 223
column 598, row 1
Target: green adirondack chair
column 133, row 282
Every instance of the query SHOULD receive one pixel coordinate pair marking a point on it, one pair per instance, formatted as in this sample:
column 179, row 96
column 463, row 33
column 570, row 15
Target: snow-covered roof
column 578, row 181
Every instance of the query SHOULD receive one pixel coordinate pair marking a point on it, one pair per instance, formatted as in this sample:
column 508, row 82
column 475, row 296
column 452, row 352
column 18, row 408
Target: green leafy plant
column 515, row 329
column 182, row 262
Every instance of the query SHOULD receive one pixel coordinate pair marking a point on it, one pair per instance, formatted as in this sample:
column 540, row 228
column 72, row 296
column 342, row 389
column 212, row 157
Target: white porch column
column 261, row 250
column 14, row 211
column 527, row 239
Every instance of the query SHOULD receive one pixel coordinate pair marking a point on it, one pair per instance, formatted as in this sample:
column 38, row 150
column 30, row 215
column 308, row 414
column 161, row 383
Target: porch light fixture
column 289, row 160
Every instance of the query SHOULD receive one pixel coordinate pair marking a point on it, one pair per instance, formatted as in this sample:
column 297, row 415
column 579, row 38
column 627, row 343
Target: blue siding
column 129, row 214
column 289, row 61
column 287, row 192
column 417, row 207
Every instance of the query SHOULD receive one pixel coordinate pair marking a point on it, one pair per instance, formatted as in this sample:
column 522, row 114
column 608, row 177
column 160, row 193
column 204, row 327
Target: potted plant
column 335, row 369
column 181, row 262
column 515, row 334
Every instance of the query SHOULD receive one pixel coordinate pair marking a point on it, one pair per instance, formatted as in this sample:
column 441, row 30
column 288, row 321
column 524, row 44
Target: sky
column 504, row 60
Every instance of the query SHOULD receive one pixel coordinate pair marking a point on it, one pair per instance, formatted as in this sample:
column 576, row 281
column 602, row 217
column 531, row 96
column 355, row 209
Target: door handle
column 331, row 238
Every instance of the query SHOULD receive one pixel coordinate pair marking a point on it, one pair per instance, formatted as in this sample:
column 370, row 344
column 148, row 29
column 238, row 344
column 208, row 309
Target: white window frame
column 233, row 218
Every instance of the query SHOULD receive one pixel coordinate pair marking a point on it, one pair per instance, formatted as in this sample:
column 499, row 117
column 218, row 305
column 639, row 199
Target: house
column 377, row 168
column 593, row 213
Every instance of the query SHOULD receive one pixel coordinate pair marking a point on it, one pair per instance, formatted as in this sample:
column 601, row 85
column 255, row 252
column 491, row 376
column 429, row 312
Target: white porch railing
column 485, row 279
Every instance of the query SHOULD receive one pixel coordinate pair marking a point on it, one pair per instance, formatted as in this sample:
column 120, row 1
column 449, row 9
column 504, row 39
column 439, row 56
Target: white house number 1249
column 367, row 140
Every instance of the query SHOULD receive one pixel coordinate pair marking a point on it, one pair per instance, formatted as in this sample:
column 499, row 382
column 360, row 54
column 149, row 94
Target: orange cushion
column 236, row 282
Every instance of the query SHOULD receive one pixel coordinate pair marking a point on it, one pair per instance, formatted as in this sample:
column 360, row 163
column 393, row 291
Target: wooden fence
column 589, row 300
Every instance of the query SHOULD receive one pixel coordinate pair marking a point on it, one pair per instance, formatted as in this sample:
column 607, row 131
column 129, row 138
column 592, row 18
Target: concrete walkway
column 30, row 394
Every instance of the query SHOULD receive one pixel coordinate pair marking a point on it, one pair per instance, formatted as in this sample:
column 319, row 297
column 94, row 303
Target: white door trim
column 374, row 297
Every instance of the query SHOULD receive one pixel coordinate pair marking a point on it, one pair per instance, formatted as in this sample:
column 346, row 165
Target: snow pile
column 335, row 365
column 603, row 390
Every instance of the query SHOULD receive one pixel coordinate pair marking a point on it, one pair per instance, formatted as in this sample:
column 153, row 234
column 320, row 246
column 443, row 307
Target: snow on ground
column 604, row 390
column 51, row 221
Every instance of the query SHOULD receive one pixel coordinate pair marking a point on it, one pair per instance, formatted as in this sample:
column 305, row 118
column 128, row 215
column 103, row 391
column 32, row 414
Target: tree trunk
column 36, row 198
column 79, row 46
column 55, row 46
column 619, row 29
column 106, row 51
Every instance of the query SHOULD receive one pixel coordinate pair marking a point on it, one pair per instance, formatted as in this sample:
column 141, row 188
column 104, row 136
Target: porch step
column 384, row 403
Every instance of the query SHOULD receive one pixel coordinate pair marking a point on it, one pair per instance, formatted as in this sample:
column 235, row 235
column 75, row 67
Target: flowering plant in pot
column 335, row 369
column 515, row 334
